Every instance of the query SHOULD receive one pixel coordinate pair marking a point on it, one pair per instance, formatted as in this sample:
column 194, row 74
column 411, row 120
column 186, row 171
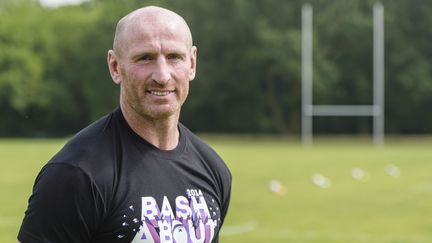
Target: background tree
column 54, row 78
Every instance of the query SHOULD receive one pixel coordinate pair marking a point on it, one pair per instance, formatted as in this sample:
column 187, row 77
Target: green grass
column 381, row 209
column 20, row 161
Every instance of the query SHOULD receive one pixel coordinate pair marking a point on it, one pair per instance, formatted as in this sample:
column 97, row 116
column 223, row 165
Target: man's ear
column 193, row 57
column 113, row 67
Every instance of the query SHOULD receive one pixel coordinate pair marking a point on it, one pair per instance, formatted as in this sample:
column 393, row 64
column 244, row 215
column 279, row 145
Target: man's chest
column 163, row 205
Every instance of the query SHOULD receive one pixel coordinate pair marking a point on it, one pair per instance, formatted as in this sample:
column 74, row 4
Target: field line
column 238, row 229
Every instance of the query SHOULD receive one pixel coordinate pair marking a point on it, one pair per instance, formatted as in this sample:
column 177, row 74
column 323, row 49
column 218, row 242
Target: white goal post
column 376, row 110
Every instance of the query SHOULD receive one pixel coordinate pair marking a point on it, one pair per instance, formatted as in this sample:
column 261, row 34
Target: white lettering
column 194, row 192
column 165, row 231
column 143, row 235
column 192, row 222
column 196, row 236
column 200, row 208
column 149, row 208
column 166, row 211
column 179, row 232
column 209, row 230
column 183, row 210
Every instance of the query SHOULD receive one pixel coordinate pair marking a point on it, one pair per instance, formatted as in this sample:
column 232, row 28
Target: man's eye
column 145, row 58
column 174, row 57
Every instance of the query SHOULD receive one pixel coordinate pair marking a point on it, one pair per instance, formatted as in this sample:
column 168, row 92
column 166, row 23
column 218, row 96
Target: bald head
column 149, row 16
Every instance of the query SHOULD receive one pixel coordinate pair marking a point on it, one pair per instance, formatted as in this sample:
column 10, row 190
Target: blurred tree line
column 54, row 78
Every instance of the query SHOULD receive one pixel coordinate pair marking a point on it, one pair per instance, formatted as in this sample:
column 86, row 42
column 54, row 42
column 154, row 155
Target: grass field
column 378, row 207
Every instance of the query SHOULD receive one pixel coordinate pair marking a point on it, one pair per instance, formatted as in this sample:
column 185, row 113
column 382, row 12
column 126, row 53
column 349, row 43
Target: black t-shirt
column 108, row 184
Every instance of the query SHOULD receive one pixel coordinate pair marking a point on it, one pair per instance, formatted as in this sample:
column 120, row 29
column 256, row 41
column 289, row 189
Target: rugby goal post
column 309, row 110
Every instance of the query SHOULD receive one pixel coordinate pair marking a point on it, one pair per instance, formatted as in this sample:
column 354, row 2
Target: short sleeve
column 226, row 190
column 65, row 206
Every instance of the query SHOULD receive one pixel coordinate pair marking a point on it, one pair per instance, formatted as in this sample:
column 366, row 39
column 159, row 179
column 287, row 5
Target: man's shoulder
column 205, row 150
column 89, row 144
column 196, row 141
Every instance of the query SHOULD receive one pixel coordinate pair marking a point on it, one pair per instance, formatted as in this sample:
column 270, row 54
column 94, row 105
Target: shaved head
column 150, row 15
column 153, row 60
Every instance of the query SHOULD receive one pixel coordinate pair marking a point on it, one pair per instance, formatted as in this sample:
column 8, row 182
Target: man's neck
column 162, row 133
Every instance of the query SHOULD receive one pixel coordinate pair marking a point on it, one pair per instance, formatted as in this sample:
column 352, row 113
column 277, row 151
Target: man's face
column 155, row 64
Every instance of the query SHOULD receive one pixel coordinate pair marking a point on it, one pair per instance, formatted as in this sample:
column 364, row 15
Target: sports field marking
column 238, row 229
column 319, row 236
column 425, row 187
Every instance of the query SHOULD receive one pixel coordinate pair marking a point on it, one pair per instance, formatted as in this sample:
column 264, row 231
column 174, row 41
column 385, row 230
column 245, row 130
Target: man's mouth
column 160, row 93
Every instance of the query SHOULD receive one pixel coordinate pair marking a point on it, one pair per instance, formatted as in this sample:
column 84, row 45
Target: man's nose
column 161, row 74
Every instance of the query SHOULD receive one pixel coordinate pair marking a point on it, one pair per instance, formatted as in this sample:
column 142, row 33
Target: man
column 137, row 174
